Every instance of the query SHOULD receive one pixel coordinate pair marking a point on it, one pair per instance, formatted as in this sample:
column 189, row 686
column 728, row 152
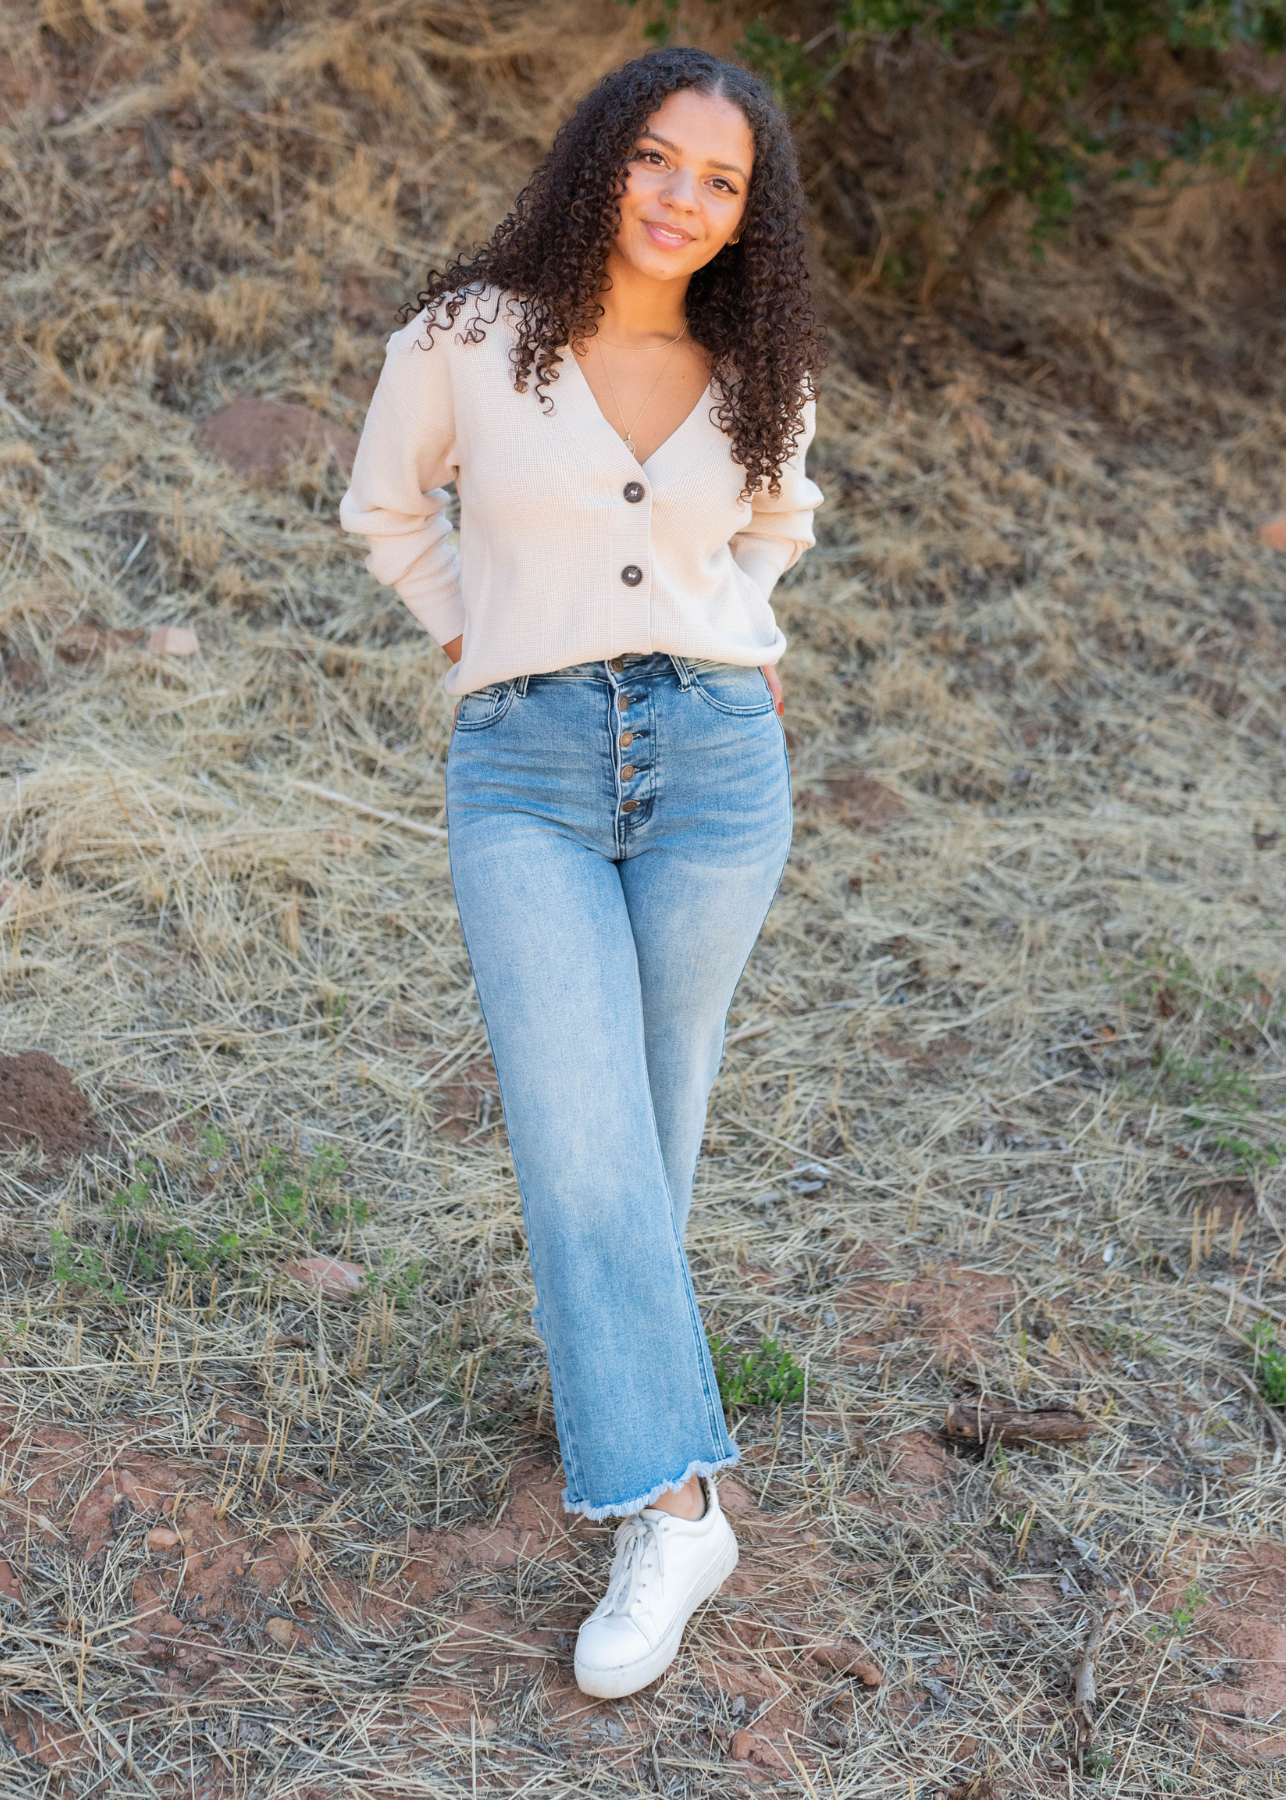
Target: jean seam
column 570, row 1452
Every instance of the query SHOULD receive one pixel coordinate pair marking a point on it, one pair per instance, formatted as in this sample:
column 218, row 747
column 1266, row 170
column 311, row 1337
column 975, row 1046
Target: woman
column 619, row 384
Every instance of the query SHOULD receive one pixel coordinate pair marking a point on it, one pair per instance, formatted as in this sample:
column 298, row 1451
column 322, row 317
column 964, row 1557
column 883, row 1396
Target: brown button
column 627, row 738
column 630, row 806
column 633, row 492
column 623, row 702
column 627, row 773
column 617, row 663
column 631, row 574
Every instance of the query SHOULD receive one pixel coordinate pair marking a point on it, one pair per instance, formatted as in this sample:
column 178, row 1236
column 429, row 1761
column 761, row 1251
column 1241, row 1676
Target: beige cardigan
column 570, row 551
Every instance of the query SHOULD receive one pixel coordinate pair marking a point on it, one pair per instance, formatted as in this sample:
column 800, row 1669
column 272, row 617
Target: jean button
column 627, row 738
column 623, row 703
column 630, row 806
column 631, row 574
column 617, row 663
column 627, row 773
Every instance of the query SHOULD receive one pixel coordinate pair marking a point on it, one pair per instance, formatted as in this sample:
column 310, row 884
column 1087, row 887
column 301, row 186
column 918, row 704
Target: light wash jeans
column 617, row 834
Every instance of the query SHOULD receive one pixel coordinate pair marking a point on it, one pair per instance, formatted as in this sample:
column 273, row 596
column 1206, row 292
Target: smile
column 664, row 236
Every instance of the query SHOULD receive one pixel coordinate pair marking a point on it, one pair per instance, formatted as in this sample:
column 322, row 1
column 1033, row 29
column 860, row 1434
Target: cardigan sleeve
column 396, row 499
column 781, row 528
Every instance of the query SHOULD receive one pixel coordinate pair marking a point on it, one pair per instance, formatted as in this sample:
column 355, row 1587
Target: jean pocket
column 484, row 706
column 729, row 689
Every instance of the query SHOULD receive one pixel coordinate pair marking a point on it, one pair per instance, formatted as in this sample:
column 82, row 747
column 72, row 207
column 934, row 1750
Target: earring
column 736, row 240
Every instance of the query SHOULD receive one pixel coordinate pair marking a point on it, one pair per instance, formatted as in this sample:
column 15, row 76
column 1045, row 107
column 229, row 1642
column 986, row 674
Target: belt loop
column 520, row 686
column 683, row 672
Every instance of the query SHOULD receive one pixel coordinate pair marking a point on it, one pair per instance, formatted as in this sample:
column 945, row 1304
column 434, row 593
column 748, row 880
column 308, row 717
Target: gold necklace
column 638, row 349
column 628, row 430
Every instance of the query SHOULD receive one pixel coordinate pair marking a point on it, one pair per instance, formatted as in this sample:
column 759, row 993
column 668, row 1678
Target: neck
column 638, row 310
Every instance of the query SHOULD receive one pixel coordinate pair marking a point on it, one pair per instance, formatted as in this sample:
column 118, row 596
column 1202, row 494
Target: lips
column 665, row 236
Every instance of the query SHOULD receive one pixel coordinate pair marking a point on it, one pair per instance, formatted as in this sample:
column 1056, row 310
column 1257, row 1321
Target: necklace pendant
column 629, row 445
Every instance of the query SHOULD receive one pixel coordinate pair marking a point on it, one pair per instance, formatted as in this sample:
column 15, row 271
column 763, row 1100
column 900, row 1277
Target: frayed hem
column 622, row 1509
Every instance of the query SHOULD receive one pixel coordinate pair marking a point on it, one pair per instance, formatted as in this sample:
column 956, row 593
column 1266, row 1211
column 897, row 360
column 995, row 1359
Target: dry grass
column 1019, row 1007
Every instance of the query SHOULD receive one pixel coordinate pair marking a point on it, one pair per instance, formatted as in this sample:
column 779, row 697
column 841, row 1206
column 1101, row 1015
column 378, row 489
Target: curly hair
column 750, row 308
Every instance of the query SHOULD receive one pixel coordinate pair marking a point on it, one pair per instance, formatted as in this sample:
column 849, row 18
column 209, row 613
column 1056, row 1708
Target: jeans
column 617, row 833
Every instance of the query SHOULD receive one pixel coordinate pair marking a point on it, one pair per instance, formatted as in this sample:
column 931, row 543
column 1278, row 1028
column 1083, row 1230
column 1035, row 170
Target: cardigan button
column 634, row 492
column 631, row 574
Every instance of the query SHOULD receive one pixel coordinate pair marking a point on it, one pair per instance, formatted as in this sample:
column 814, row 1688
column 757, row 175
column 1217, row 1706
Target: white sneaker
column 663, row 1569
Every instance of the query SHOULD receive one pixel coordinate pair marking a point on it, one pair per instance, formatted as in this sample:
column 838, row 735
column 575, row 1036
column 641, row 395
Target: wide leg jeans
column 617, row 833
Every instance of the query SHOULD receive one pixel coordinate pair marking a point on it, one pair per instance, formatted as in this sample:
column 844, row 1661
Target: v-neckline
column 570, row 355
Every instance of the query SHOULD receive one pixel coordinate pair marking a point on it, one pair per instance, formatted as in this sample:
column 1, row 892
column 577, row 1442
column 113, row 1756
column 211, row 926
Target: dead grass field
column 1001, row 1117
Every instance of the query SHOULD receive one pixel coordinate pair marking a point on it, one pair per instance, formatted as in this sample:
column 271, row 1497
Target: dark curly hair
column 750, row 307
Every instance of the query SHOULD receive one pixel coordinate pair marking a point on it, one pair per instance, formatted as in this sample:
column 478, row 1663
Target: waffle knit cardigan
column 570, row 550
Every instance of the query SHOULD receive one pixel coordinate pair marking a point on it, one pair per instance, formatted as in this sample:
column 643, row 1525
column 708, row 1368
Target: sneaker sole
column 615, row 1684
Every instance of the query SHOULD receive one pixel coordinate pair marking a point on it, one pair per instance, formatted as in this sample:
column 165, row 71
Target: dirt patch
column 41, row 1104
column 258, row 439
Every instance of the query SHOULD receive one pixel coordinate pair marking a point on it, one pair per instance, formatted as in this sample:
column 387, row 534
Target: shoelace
column 633, row 1539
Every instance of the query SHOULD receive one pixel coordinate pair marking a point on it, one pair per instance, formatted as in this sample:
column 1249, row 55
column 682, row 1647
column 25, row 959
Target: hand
column 770, row 675
column 452, row 652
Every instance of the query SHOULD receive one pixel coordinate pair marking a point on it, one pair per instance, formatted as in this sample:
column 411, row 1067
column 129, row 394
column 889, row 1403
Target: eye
column 725, row 185
column 652, row 156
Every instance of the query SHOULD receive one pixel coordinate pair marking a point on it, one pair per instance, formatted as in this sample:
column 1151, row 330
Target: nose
column 681, row 190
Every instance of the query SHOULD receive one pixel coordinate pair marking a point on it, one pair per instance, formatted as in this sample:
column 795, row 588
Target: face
column 686, row 186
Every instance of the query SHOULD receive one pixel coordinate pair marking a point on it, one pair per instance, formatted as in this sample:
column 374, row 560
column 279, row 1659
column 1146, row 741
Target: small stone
column 1274, row 533
column 849, row 1659
column 337, row 1280
column 160, row 1537
column 281, row 1631
column 173, row 640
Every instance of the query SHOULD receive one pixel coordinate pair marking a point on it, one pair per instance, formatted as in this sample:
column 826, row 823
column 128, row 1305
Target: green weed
column 1270, row 1365
column 767, row 1376
column 81, row 1266
column 148, row 1233
column 1182, row 1616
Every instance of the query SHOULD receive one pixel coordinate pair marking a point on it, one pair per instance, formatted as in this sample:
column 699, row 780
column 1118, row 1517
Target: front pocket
column 483, row 707
column 730, row 689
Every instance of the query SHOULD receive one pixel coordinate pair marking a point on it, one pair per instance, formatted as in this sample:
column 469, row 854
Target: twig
column 370, row 812
column 1085, row 1696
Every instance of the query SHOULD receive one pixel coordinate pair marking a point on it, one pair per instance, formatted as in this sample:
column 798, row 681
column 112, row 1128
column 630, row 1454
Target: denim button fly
column 627, row 773
column 624, row 703
column 627, row 738
column 630, row 806
column 631, row 574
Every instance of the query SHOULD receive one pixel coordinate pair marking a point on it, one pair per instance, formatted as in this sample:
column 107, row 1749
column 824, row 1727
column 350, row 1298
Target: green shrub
column 1085, row 108
column 767, row 1376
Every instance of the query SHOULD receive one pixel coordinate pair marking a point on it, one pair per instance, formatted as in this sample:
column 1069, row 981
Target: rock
column 173, row 640
column 161, row 1537
column 337, row 1280
column 863, row 801
column 88, row 639
column 1274, row 533
column 281, row 1631
column 257, row 439
column 749, row 1747
column 847, row 1658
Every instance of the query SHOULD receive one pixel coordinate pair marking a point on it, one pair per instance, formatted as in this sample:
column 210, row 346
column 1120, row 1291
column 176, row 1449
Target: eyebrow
column 658, row 139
